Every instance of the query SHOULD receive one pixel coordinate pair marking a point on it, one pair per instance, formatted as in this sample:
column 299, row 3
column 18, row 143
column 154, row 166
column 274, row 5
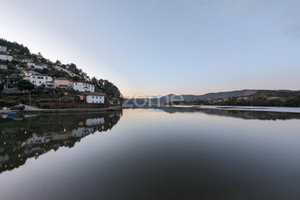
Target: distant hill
column 220, row 95
column 238, row 97
column 285, row 98
column 217, row 95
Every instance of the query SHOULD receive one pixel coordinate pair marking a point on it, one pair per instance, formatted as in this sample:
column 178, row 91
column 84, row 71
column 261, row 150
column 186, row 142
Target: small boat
column 11, row 114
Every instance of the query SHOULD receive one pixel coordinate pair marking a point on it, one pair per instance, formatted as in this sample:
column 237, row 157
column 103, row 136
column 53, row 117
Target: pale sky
column 152, row 47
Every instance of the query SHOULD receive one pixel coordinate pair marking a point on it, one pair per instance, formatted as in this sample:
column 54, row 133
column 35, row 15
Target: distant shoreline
column 227, row 108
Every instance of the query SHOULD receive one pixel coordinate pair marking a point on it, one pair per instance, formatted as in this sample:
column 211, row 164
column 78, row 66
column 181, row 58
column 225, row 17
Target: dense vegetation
column 108, row 88
column 15, row 48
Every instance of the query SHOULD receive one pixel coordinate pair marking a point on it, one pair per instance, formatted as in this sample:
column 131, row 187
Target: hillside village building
column 3, row 49
column 6, row 58
column 39, row 79
column 4, row 67
column 37, row 66
column 83, row 87
column 63, row 83
column 93, row 97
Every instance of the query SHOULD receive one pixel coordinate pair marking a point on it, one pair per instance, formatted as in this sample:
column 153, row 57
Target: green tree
column 25, row 85
column 57, row 63
column 75, row 78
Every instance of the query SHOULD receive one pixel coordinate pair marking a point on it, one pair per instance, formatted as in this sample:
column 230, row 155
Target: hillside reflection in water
column 23, row 138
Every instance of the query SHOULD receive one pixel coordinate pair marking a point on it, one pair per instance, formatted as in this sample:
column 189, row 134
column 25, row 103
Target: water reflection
column 260, row 115
column 23, row 137
column 152, row 154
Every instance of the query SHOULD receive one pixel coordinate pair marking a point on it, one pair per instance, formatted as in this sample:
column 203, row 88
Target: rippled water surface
column 151, row 154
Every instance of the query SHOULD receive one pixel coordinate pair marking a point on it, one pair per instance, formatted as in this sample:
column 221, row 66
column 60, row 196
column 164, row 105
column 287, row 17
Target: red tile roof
column 94, row 93
column 84, row 82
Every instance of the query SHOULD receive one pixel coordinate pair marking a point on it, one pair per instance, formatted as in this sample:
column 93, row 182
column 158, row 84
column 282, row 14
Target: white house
column 94, row 97
column 37, row 66
column 83, row 87
column 39, row 79
column 6, row 57
column 3, row 49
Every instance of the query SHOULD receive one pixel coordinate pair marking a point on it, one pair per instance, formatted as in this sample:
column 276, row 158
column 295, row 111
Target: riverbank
column 34, row 110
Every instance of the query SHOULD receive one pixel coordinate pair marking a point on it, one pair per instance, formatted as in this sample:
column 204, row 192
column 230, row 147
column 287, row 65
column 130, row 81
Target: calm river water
column 151, row 154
